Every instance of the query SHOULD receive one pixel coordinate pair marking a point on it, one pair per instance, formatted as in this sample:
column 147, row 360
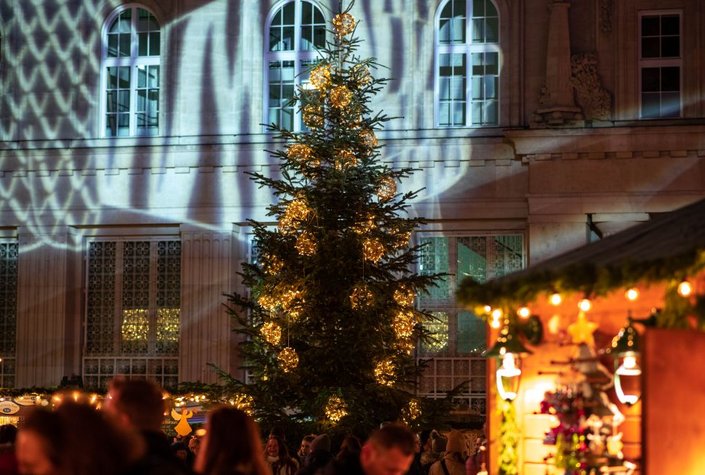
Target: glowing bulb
column 626, row 379
column 685, row 289
column 524, row 312
column 487, row 308
column 495, row 323
column 585, row 305
column 555, row 299
column 632, row 294
column 497, row 313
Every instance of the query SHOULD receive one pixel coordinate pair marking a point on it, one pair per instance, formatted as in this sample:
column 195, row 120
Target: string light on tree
column 361, row 74
column 336, row 409
column 403, row 323
column 496, row 318
column 272, row 264
column 244, row 402
column 296, row 212
column 384, row 372
column 412, row 411
column 632, row 294
column 365, row 225
column 585, row 305
column 402, row 239
column 524, row 312
column 288, row 359
column 267, row 302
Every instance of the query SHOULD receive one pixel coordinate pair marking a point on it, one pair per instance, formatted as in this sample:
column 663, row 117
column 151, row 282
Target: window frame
column 450, row 306
column 659, row 62
column 466, row 49
column 297, row 55
column 134, row 62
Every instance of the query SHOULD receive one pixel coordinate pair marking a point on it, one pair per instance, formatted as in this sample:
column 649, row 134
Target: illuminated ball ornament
column 288, row 359
column 313, row 116
column 272, row 264
column 365, row 226
column 288, row 295
column 271, row 332
column 343, row 24
column 404, row 296
column 384, row 373
column 306, row 244
column 320, row 77
column 336, row 409
column 412, row 411
column 244, row 402
column 404, row 323
column 267, row 302
column 402, row 239
column 369, row 139
column 340, row 97
column 345, row 159
column 361, row 74
column 361, row 297
column 300, row 151
column 372, row 250
column 296, row 212
column 387, row 188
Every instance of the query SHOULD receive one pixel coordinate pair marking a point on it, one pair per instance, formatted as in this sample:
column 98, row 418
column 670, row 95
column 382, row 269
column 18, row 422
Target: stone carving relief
column 595, row 100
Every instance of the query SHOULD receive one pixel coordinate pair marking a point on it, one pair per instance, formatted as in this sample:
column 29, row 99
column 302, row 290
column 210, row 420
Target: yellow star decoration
column 581, row 331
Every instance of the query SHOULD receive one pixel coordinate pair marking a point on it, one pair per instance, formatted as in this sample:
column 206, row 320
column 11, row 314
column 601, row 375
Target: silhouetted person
column 139, row 405
column 231, row 445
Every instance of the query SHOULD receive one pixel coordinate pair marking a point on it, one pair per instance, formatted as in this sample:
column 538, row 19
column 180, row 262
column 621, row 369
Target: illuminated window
column 660, row 63
column 295, row 31
column 467, row 59
column 8, row 312
column 131, row 74
column 454, row 330
column 133, row 301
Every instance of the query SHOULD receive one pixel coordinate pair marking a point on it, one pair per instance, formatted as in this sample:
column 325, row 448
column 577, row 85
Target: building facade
column 127, row 130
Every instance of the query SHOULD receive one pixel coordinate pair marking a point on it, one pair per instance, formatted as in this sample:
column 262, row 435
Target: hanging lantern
column 508, row 349
column 271, row 332
column 336, row 409
column 288, row 359
column 627, row 374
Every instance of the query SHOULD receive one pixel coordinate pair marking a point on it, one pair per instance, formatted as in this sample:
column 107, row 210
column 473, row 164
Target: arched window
column 295, row 31
column 467, row 64
column 130, row 73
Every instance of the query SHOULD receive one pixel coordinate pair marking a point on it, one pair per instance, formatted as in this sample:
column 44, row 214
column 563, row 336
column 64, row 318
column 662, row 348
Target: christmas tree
column 329, row 319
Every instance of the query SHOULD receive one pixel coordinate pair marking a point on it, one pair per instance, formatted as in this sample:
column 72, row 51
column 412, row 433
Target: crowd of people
column 125, row 437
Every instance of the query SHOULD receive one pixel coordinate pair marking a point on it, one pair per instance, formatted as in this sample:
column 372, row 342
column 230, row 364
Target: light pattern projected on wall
column 8, row 312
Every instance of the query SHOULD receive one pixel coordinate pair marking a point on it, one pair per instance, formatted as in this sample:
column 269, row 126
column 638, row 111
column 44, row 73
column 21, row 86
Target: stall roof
column 668, row 244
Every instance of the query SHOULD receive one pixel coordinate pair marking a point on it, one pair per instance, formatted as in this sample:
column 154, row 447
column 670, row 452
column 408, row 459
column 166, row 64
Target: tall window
column 660, row 63
column 133, row 310
column 467, row 64
column 459, row 331
column 8, row 312
column 295, row 31
column 130, row 79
